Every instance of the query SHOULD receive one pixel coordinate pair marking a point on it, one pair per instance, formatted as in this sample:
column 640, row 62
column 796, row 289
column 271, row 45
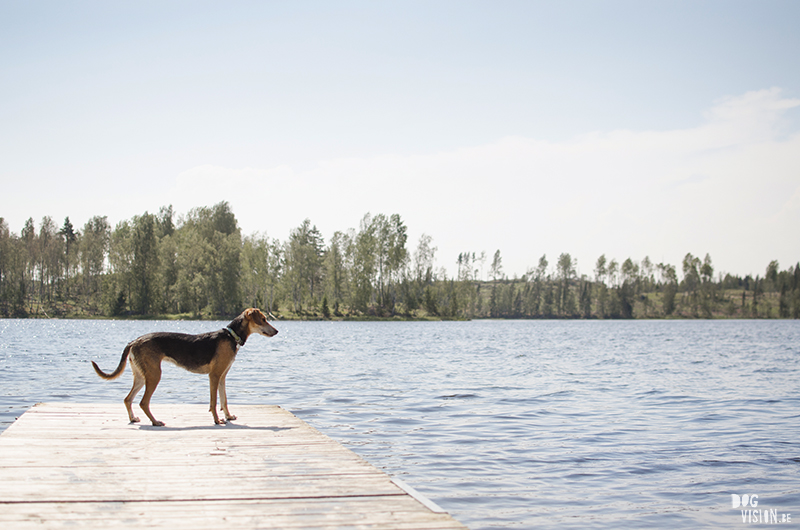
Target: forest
column 199, row 265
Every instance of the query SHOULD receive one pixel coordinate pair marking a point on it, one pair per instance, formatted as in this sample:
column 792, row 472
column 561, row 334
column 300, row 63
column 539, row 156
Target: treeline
column 199, row 265
column 641, row 290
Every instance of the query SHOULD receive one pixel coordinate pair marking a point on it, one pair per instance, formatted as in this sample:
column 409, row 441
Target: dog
column 207, row 353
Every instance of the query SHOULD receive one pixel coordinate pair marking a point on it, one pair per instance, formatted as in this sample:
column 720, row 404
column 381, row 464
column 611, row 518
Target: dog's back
column 192, row 352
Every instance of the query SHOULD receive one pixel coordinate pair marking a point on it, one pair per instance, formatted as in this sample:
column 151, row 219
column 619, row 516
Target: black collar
column 238, row 340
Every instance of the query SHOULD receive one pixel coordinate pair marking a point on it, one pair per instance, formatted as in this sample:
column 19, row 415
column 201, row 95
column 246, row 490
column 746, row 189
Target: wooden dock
column 85, row 466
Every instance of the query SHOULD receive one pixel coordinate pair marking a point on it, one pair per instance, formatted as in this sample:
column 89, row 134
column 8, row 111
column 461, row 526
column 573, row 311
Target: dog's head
column 256, row 322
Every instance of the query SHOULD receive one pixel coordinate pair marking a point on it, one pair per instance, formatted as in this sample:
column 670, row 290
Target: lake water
column 506, row 424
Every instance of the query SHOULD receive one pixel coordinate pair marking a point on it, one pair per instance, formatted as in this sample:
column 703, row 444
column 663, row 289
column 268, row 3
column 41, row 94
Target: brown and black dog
column 207, row 353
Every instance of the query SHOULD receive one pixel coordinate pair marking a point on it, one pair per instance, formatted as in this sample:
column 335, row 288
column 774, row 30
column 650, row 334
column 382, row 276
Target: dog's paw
column 220, row 421
column 231, row 417
column 157, row 423
column 135, row 420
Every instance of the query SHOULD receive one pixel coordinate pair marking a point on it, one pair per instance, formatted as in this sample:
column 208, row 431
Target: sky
column 622, row 128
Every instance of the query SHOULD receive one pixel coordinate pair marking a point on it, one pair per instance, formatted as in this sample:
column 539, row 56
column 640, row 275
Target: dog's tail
column 116, row 373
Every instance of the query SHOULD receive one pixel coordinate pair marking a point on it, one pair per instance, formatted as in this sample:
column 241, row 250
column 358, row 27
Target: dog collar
column 239, row 341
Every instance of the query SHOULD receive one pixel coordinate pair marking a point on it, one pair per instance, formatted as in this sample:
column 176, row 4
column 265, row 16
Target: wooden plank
column 395, row 513
column 84, row 464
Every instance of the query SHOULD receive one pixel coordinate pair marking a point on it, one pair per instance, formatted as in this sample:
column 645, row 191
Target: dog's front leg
column 223, row 399
column 213, row 381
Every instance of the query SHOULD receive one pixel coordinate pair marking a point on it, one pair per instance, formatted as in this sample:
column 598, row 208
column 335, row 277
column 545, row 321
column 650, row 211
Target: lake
column 505, row 424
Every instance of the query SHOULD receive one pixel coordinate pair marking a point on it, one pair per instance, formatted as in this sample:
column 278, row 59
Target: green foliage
column 304, row 260
column 118, row 307
column 145, row 264
column 326, row 311
column 200, row 265
column 430, row 301
column 209, row 246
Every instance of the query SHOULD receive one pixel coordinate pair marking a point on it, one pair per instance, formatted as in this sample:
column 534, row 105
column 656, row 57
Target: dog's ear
column 255, row 315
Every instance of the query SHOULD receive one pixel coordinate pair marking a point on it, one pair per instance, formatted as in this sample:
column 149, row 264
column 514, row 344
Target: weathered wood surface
column 85, row 466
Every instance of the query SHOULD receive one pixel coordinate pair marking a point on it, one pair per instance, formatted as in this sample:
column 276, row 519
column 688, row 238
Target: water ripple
column 505, row 424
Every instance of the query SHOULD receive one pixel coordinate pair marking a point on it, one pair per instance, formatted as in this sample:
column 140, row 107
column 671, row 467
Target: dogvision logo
column 751, row 513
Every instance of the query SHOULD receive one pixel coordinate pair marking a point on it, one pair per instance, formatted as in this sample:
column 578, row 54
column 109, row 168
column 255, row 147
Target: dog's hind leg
column 152, row 378
column 138, row 383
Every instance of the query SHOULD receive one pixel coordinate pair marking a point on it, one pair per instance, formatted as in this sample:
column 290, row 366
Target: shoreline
column 396, row 318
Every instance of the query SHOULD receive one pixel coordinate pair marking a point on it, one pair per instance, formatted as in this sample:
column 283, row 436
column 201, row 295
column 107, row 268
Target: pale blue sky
column 629, row 128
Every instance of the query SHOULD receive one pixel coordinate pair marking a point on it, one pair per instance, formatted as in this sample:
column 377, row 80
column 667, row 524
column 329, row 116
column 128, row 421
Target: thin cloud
column 721, row 187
